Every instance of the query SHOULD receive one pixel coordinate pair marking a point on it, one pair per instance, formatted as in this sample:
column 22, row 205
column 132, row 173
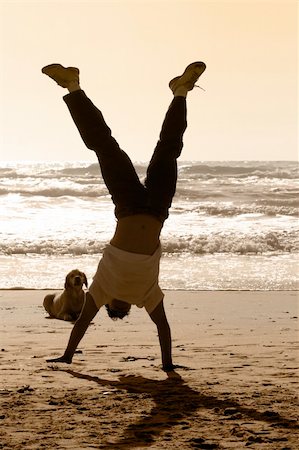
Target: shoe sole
column 56, row 76
column 191, row 66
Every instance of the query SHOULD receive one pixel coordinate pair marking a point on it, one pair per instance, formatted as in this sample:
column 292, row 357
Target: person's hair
column 114, row 314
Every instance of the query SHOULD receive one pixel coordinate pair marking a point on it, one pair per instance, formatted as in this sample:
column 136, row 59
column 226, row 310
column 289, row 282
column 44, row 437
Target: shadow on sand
column 175, row 402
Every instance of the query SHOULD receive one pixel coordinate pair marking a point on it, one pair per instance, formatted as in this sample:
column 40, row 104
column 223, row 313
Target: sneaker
column 62, row 75
column 189, row 77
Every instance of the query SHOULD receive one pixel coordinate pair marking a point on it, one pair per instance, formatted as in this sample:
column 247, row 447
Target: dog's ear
column 67, row 281
column 85, row 280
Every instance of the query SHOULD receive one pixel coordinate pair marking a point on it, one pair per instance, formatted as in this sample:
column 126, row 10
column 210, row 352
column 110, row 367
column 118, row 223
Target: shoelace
column 195, row 78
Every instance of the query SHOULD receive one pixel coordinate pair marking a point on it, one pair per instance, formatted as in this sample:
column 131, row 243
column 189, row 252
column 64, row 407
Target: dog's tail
column 48, row 302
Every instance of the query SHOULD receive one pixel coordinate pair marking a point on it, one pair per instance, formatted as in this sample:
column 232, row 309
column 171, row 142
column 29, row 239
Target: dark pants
column 128, row 194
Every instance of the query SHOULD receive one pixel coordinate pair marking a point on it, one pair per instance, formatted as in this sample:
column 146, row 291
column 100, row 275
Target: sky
column 127, row 52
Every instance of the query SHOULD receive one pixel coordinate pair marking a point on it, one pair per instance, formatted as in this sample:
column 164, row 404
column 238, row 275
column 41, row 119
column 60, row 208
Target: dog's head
column 75, row 279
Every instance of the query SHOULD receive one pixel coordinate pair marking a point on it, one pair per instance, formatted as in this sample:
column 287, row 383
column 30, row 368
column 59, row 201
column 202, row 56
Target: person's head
column 118, row 309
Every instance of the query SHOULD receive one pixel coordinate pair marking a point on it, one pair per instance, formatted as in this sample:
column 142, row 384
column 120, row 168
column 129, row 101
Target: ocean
column 232, row 225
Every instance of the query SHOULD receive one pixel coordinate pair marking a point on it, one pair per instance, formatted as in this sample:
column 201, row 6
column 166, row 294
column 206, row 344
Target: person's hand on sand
column 174, row 375
column 171, row 367
column 61, row 359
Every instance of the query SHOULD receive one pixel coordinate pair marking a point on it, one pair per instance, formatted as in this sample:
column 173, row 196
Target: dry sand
column 238, row 387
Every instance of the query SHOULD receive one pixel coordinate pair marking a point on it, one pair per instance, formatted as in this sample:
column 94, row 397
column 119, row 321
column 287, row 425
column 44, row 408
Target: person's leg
column 116, row 167
column 118, row 172
column 162, row 170
column 161, row 175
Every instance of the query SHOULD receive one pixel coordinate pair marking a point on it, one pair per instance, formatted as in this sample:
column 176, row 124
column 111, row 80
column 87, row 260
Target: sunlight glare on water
column 232, row 225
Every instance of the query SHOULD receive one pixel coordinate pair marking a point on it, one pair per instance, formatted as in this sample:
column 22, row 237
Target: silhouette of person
column 128, row 271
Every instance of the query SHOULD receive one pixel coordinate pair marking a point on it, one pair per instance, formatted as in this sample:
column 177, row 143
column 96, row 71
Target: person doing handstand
column 128, row 271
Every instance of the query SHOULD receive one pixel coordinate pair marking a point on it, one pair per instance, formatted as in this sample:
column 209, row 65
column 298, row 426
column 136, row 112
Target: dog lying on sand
column 68, row 304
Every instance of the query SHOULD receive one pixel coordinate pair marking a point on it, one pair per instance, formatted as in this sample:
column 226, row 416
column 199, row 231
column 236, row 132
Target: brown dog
column 68, row 304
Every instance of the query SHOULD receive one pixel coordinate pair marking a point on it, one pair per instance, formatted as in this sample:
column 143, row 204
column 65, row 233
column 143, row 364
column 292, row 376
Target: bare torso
column 137, row 234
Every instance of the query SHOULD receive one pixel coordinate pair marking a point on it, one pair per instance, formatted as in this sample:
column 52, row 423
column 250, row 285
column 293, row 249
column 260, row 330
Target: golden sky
column 127, row 52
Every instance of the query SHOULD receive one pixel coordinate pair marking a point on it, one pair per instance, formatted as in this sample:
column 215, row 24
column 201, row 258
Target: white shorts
column 126, row 276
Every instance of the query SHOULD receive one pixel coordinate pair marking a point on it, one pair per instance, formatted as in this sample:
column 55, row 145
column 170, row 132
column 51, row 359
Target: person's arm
column 88, row 312
column 158, row 316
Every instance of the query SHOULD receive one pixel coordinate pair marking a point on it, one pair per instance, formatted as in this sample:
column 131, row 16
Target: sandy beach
column 237, row 385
